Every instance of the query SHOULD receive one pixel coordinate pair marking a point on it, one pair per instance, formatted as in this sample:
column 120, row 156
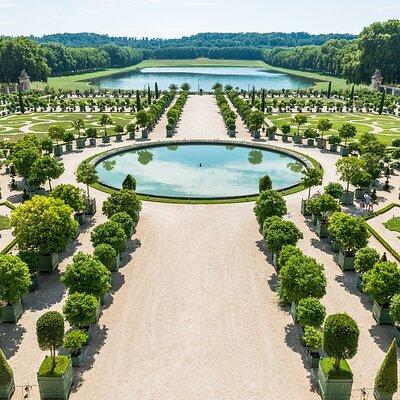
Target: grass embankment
column 82, row 81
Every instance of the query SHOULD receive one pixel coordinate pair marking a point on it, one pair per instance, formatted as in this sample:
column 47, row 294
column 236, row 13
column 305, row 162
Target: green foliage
column 44, row 224
column 14, row 279
column 322, row 205
column 46, row 144
column 31, row 258
column 123, row 201
column 80, row 310
column 298, row 120
column 105, row 120
column 278, row 233
column 324, row 125
column 310, row 312
column 50, row 332
column 395, row 308
column 57, row 132
column 6, row 373
column 48, row 368
column 302, row 277
column 70, row 195
column 88, row 275
column 347, row 131
column 341, row 335
column 334, row 189
column 87, row 174
column 74, row 340
column 351, row 233
column 269, row 203
column 91, row 132
column 311, row 177
column 348, row 168
column 286, row 128
column 382, row 282
column 287, row 251
column 387, row 376
column 328, row 366
column 45, row 169
column 334, row 139
column 265, row 183
column 142, row 118
column 365, row 259
column 129, row 183
column 105, row 254
column 125, row 221
column 111, row 233
column 313, row 338
column 24, row 154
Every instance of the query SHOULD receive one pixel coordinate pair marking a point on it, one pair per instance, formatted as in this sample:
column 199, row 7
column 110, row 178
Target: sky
column 176, row 18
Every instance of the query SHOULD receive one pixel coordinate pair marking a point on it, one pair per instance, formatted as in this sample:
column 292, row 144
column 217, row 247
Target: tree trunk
column 309, row 192
column 337, row 364
column 50, row 185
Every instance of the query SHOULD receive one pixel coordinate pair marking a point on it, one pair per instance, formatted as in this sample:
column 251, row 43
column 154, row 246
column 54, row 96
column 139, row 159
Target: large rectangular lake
column 204, row 78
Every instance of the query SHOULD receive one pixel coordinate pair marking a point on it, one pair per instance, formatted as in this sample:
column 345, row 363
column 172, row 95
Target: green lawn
column 4, row 222
column 81, row 81
column 393, row 224
column 14, row 126
column 386, row 127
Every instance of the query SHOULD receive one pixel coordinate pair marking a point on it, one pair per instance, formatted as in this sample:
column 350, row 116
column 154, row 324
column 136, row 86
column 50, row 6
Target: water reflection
column 295, row 166
column 145, row 157
column 109, row 165
column 255, row 157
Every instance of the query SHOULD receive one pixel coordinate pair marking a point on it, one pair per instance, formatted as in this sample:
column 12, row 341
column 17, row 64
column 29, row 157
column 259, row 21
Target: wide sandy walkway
column 194, row 311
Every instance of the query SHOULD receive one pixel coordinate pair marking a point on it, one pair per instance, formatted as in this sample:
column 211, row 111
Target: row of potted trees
column 175, row 112
column 227, row 113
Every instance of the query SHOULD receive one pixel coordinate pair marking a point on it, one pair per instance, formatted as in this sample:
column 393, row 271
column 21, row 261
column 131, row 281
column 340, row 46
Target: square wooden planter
column 11, row 313
column 284, row 138
column 92, row 141
column 334, row 389
column 7, row 391
column 293, row 311
column 344, row 151
column 80, row 218
column 170, row 133
column 396, row 335
column 57, row 387
column 256, row 134
column 58, row 151
column 297, row 139
column 313, row 358
column 346, row 263
column 132, row 135
column 321, row 143
column 359, row 194
column 80, row 143
column 321, row 229
column 68, row 147
column 105, row 139
column 359, row 284
column 347, row 198
column 333, row 148
column 381, row 314
column 382, row 396
column 91, row 207
column 118, row 137
column 304, row 209
column 271, row 136
column 49, row 263
column 145, row 134
column 232, row 133
column 310, row 142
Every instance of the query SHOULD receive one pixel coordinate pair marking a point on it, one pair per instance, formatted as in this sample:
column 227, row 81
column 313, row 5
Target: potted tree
column 302, row 277
column 313, row 339
column 351, row 233
column 256, row 122
column 268, row 204
column 55, row 373
column 299, row 120
column 382, row 282
column 387, row 377
column 82, row 310
column 68, row 139
column 335, row 378
column 119, row 130
column 364, row 261
column 348, row 168
column 285, row 132
column 310, row 134
column 105, row 120
column 361, row 181
column 14, row 283
column 107, row 256
column 79, row 126
column 57, row 132
column 264, row 183
column 346, row 132
column 287, row 252
column 334, row 189
column 112, row 233
column 43, row 170
column 73, row 342
column 271, row 132
column 395, row 315
column 322, row 207
column 278, row 233
column 125, row 221
column 7, row 385
column 334, row 141
column 311, row 177
column 87, row 174
column 131, row 129
column 32, row 259
column 310, row 312
column 44, row 224
column 91, row 133
column 143, row 119
column 72, row 196
column 323, row 125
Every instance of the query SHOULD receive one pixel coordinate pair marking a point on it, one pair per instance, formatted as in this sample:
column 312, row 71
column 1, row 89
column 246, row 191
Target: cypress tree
column 253, row 96
column 6, row 373
column 329, row 89
column 382, row 103
column 263, row 101
column 352, row 94
column 138, row 107
column 21, row 102
column 156, row 90
column 386, row 378
column 148, row 94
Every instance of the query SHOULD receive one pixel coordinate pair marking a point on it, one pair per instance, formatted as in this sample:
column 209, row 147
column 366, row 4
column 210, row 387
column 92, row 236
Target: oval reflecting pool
column 199, row 170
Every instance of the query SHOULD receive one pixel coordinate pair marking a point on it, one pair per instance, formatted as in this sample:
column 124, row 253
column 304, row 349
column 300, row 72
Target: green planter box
column 344, row 151
column 80, row 218
column 56, row 387
column 35, row 283
column 297, row 139
column 132, row 135
column 232, row 133
column 396, row 335
column 76, row 359
column 304, row 209
column 334, row 389
column 7, row 391
column 80, row 143
column 48, row 263
column 68, row 147
column 145, row 134
column 347, row 198
column 381, row 314
column 333, row 148
column 345, row 262
column 382, row 396
column 321, row 143
column 58, row 151
column 284, row 138
column 310, row 142
column 117, row 263
column 105, row 139
column 170, row 133
column 313, row 358
column 92, row 141
column 90, row 207
column 293, row 311
column 118, row 137
column 359, row 194
column 271, row 136
column 314, row 219
column 321, row 229
column 11, row 313
column 359, row 284
column 256, row 134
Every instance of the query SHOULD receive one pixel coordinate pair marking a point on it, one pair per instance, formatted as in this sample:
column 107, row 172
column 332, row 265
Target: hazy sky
column 174, row 18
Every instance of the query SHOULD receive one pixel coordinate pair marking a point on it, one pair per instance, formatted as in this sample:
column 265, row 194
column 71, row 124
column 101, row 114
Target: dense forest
column 201, row 40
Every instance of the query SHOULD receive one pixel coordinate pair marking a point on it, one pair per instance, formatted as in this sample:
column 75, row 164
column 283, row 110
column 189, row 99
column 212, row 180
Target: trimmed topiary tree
column 387, row 376
column 310, row 312
column 269, row 203
column 106, row 255
column 264, row 183
column 322, row 205
column 45, row 169
column 287, row 251
column 87, row 275
column 365, row 259
column 129, row 183
column 73, row 342
column 334, row 189
column 311, row 177
column 81, row 310
column 70, row 195
column 112, row 233
column 87, row 174
column 125, row 221
column 6, row 376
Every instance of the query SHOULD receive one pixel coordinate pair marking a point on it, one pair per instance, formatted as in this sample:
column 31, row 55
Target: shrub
column 44, row 224
column 311, row 177
column 310, row 312
column 123, row 201
column 302, row 277
column 45, row 169
column 348, row 168
column 322, row 205
column 15, row 279
column 70, row 195
column 129, row 183
column 396, row 142
column 334, row 189
column 105, row 254
column 334, row 139
column 74, row 340
column 340, row 337
column 87, row 174
column 31, row 258
column 50, row 332
column 6, row 374
column 287, row 251
column 265, row 183
column 80, row 310
column 269, row 204
column 387, row 377
column 313, row 338
column 88, row 275
column 395, row 308
column 365, row 259
column 278, row 233
column 111, row 233
column 351, row 233
column 382, row 282
column 125, row 221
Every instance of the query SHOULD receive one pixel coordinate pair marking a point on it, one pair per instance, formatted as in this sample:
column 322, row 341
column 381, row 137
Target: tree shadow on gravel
column 382, row 335
column 117, row 281
column 293, row 336
column 99, row 336
column 131, row 247
column 348, row 281
column 11, row 336
column 322, row 245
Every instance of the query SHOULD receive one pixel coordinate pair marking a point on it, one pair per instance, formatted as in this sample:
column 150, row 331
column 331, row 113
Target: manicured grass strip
column 47, row 370
column 384, row 243
column 9, row 247
column 393, row 224
column 4, row 222
column 8, row 204
column 344, row 372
